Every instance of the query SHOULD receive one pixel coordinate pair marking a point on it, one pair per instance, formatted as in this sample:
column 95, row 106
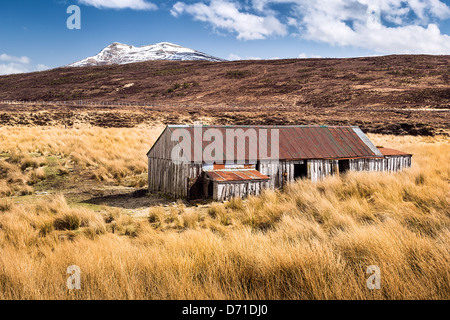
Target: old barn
column 221, row 162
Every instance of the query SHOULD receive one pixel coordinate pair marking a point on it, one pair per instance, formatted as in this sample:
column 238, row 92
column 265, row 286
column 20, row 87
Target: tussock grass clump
column 37, row 175
column 32, row 162
column 156, row 215
column 12, row 180
column 111, row 214
column 18, row 172
column 5, row 204
column 193, row 220
column 220, row 213
column 68, row 221
column 236, row 204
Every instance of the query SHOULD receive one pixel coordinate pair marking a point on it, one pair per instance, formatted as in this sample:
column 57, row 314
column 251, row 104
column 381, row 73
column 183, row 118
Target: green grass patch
column 27, row 199
column 90, row 206
column 170, row 71
column 56, row 175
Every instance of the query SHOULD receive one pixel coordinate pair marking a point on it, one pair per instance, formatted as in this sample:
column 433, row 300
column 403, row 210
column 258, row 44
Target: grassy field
column 72, row 197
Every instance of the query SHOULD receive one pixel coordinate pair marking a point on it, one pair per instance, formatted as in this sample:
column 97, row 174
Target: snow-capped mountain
column 118, row 53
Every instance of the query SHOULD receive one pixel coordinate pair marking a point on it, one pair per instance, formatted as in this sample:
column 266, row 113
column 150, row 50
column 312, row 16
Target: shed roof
column 236, row 175
column 393, row 152
column 295, row 142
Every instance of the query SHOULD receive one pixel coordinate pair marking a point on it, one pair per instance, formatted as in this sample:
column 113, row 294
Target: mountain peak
column 167, row 44
column 117, row 44
column 119, row 53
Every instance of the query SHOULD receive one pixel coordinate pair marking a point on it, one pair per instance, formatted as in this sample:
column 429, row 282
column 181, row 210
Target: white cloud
column 434, row 7
column 222, row 14
column 42, row 67
column 306, row 56
column 18, row 65
column 178, row 9
column 233, row 57
column 6, row 57
column 382, row 26
column 12, row 67
column 358, row 23
column 120, row 4
column 320, row 23
column 292, row 22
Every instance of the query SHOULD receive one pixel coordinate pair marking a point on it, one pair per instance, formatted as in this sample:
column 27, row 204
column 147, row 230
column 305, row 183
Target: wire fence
column 93, row 103
column 84, row 103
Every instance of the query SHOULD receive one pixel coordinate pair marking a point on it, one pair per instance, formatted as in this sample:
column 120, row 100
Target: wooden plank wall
column 167, row 175
column 366, row 164
column 397, row 163
column 319, row 169
column 225, row 191
column 170, row 178
column 283, row 172
column 280, row 173
column 389, row 164
column 162, row 149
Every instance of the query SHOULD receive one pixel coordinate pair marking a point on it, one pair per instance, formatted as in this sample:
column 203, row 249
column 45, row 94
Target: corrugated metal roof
column 231, row 167
column 393, row 152
column 296, row 142
column 236, row 175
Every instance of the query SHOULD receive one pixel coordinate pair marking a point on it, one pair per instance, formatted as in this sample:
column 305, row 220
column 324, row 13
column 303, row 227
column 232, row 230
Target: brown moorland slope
column 402, row 94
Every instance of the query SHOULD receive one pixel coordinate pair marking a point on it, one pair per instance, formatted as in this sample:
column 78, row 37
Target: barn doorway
column 210, row 189
column 344, row 166
column 195, row 188
column 300, row 170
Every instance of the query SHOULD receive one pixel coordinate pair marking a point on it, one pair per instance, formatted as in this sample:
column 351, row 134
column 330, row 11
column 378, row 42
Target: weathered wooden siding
column 366, row 164
column 170, row 178
column 274, row 171
column 226, row 190
column 162, row 149
column 397, row 163
column 283, row 171
column 319, row 169
column 169, row 174
column 388, row 163
column 279, row 173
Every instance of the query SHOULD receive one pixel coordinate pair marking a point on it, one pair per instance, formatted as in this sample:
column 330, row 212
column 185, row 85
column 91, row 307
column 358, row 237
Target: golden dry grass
column 108, row 155
column 309, row 241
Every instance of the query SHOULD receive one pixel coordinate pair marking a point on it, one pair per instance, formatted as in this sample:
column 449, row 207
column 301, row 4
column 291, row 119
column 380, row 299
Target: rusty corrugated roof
column 393, row 152
column 236, row 175
column 295, row 142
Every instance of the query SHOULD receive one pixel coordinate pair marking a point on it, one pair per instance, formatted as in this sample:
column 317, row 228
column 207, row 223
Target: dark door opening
column 258, row 166
column 195, row 188
column 344, row 166
column 210, row 189
column 300, row 170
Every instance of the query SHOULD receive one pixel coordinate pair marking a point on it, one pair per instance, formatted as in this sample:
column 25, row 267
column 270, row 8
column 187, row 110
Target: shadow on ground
column 130, row 200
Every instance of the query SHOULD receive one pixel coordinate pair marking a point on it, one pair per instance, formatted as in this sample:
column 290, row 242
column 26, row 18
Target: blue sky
column 34, row 35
